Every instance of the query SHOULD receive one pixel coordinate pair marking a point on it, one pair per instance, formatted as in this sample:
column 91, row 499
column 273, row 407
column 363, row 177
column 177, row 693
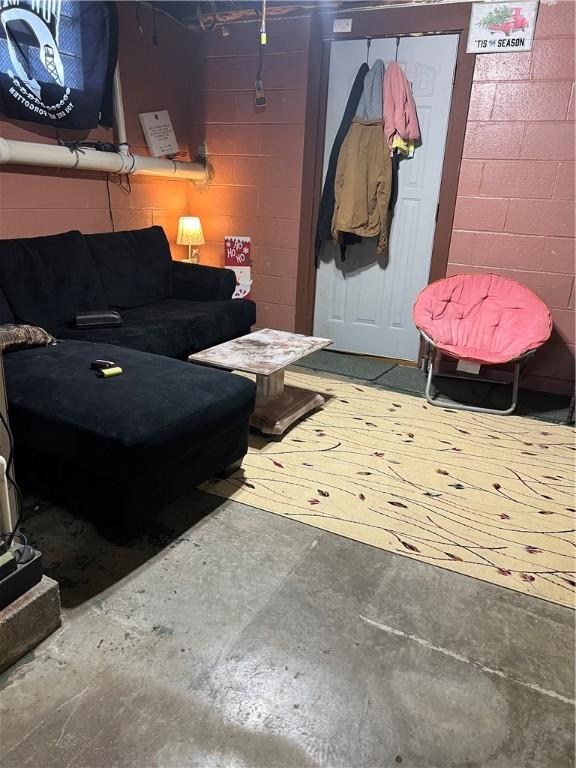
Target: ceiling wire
column 301, row 11
column 259, row 86
column 161, row 11
column 200, row 16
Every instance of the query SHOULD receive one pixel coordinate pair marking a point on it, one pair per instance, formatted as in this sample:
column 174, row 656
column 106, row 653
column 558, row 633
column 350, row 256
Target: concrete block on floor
column 29, row 620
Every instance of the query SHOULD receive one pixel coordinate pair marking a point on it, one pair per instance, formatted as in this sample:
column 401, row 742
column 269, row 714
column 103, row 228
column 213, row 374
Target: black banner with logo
column 57, row 61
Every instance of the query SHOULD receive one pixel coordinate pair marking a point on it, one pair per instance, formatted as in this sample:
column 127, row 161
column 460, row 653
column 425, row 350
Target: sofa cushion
column 135, row 266
column 207, row 323
column 46, row 280
column 166, row 334
column 215, row 322
column 174, row 327
column 156, row 410
column 197, row 282
column 14, row 337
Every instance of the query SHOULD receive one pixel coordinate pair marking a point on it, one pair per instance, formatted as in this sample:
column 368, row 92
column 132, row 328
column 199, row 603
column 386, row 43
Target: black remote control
column 101, row 365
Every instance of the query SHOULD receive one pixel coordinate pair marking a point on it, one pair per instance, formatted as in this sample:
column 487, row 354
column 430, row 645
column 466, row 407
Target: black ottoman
column 119, row 448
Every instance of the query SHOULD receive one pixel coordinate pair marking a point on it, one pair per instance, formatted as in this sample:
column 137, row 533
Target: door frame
column 389, row 22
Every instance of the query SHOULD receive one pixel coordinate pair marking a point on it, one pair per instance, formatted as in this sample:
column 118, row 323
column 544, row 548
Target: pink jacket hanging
column 399, row 107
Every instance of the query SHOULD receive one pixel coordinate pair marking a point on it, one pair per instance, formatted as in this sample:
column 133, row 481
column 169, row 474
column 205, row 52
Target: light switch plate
column 342, row 25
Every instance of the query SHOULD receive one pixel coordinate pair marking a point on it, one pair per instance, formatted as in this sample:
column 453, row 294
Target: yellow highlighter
column 106, row 373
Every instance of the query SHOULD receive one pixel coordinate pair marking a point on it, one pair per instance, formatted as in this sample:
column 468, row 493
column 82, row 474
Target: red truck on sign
column 512, row 24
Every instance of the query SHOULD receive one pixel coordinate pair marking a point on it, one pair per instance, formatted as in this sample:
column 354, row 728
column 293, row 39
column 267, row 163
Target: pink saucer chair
column 483, row 319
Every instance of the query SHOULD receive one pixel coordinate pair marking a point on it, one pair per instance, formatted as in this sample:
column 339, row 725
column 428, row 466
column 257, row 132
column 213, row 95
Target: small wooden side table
column 267, row 354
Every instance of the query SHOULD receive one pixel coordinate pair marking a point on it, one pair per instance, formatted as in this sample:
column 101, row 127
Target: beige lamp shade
column 190, row 231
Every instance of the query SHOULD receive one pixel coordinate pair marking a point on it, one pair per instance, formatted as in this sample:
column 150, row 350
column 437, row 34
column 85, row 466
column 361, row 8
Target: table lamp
column 190, row 233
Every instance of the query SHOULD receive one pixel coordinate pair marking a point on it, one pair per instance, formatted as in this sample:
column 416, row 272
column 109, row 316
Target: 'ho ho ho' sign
column 237, row 258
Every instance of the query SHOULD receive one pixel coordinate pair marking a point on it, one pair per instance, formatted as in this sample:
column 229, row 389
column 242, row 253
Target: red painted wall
column 515, row 204
column 257, row 156
column 36, row 201
column 515, row 207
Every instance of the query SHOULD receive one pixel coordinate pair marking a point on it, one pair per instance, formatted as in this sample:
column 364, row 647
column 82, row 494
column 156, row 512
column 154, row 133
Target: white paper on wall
column 159, row 134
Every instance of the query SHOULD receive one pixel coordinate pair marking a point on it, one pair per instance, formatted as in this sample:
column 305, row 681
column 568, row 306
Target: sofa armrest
column 197, row 283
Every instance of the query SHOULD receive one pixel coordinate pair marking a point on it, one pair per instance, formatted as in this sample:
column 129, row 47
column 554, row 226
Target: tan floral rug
column 488, row 496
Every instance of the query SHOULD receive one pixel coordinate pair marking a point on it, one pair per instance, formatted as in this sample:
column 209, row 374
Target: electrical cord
column 262, row 41
column 109, row 202
column 260, row 62
column 125, row 186
column 12, row 481
column 10, row 443
column 23, row 538
column 259, row 86
column 21, row 510
column 263, row 23
column 154, row 28
column 207, row 27
column 138, row 21
column 128, row 187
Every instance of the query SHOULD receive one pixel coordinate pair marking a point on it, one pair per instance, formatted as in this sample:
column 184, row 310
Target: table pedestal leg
column 279, row 406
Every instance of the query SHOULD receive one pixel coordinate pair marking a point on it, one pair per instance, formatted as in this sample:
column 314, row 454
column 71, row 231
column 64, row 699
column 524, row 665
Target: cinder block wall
column 39, row 201
column 516, row 195
column 257, row 156
column 515, row 208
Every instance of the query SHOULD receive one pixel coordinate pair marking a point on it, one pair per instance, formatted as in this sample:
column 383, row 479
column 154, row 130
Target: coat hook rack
column 397, row 46
column 368, row 44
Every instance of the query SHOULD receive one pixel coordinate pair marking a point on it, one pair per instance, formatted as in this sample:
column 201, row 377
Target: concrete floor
column 240, row 639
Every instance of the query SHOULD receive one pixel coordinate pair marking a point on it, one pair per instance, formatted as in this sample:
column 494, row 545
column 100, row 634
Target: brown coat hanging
column 362, row 184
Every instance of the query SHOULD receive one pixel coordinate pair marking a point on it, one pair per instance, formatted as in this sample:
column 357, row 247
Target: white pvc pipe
column 177, row 169
column 53, row 156
column 121, row 137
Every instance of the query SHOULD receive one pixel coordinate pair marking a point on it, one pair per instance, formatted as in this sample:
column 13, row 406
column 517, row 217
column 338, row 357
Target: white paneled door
column 365, row 302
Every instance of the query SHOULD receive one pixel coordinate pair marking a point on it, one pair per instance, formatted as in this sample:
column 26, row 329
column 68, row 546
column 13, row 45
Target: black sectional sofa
column 119, row 448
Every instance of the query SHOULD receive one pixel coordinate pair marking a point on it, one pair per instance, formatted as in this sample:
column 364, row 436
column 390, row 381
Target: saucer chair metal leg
column 432, row 394
column 433, row 359
column 427, row 353
column 497, row 411
column 570, row 414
